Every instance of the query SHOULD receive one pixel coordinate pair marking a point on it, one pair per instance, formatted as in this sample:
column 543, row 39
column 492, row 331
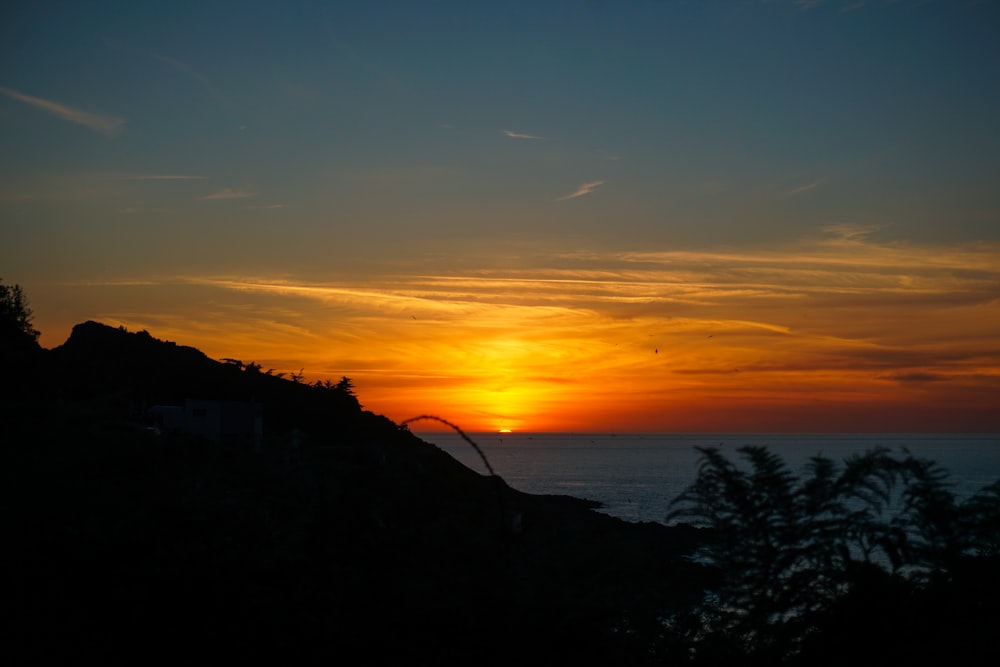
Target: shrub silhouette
column 788, row 551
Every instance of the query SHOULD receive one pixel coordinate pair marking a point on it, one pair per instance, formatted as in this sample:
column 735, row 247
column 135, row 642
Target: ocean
column 635, row 476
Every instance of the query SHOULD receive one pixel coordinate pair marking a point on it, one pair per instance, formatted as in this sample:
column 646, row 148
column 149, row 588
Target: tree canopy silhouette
column 792, row 553
column 15, row 316
column 20, row 352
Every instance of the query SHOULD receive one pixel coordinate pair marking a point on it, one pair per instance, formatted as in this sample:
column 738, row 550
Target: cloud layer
column 826, row 324
column 520, row 135
column 230, row 193
column 106, row 125
column 584, row 189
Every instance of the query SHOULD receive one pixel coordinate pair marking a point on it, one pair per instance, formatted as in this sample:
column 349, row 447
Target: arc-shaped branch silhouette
column 457, row 430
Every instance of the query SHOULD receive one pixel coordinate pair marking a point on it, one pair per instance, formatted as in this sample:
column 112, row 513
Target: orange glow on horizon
column 844, row 335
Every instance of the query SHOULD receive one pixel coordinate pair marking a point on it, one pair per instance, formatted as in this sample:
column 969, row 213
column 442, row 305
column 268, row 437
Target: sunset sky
column 587, row 215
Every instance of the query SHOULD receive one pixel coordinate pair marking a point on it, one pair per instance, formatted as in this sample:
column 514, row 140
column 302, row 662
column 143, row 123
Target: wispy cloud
column 230, row 193
column 584, row 189
column 849, row 232
column 786, row 290
column 122, row 282
column 154, row 177
column 520, row 135
column 106, row 125
column 804, row 188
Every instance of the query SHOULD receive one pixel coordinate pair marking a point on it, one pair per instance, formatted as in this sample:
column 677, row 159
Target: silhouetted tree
column 15, row 316
column 345, row 385
column 21, row 357
column 980, row 522
column 787, row 551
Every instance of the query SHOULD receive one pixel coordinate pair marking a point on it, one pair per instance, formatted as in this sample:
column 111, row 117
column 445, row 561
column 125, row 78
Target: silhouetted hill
column 141, row 371
column 339, row 533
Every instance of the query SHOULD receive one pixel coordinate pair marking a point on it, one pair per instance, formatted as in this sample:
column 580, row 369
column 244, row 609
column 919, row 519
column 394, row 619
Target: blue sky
column 785, row 115
column 157, row 147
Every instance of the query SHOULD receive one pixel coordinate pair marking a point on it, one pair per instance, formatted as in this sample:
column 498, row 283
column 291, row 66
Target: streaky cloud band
column 520, row 135
column 106, row 125
column 584, row 189
column 229, row 193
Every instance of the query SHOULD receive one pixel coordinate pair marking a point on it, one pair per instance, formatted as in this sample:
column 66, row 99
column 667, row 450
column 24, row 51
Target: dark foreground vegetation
column 872, row 562
column 337, row 535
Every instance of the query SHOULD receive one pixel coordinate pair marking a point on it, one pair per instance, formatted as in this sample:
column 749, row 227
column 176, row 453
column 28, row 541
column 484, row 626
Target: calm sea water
column 636, row 476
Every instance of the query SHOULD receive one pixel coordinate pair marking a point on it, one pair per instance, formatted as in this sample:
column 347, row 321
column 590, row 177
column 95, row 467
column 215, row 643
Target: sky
column 630, row 216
